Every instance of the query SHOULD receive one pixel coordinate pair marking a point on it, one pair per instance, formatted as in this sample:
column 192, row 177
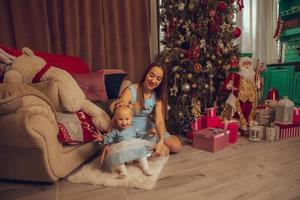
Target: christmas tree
column 198, row 50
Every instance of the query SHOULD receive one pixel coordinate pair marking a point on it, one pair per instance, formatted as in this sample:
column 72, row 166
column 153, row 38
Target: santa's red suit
column 242, row 98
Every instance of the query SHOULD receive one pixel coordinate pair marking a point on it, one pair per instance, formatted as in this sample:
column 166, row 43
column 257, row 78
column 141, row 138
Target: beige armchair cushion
column 17, row 97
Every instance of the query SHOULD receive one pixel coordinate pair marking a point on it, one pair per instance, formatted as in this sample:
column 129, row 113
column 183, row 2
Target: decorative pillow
column 92, row 84
column 69, row 63
column 112, row 84
column 75, row 128
column 101, row 85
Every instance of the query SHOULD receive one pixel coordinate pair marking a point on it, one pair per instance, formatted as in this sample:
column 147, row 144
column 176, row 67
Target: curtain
column 258, row 21
column 104, row 33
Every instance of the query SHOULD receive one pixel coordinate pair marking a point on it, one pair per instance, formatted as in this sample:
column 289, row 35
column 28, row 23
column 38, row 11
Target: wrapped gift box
column 285, row 131
column 265, row 116
column 232, row 126
column 296, row 115
column 284, row 111
column 196, row 125
column 211, row 139
column 211, row 112
column 210, row 122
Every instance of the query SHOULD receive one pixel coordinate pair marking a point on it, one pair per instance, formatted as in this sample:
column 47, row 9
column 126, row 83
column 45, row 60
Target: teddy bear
column 30, row 68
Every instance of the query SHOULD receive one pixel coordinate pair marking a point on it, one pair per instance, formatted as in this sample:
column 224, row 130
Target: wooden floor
column 246, row 170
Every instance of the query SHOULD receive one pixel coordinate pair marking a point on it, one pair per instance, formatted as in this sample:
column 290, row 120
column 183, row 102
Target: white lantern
column 255, row 132
column 271, row 134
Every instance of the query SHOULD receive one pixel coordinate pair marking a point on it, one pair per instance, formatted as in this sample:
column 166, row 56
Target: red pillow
column 75, row 128
column 69, row 63
column 101, row 85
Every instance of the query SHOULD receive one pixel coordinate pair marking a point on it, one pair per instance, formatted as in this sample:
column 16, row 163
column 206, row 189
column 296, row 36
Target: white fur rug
column 92, row 173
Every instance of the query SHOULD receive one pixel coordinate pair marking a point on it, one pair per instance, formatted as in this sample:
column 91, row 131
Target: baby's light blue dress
column 142, row 120
column 125, row 145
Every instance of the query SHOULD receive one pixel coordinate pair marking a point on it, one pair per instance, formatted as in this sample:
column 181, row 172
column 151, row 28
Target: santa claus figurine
column 242, row 99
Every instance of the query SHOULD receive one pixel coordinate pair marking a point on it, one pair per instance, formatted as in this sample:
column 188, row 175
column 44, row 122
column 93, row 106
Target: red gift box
column 210, row 139
column 211, row 112
column 210, row 122
column 296, row 115
column 196, row 125
column 232, row 127
column 285, row 131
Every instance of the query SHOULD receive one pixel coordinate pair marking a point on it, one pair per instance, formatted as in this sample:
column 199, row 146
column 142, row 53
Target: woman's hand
column 160, row 150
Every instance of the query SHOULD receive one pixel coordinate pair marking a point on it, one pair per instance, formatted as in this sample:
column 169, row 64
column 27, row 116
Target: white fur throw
column 92, row 173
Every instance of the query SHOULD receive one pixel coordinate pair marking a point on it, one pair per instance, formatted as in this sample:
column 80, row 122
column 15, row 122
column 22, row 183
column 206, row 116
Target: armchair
column 29, row 148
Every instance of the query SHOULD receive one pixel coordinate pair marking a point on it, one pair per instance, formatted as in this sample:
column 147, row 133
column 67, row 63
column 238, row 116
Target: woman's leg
column 173, row 143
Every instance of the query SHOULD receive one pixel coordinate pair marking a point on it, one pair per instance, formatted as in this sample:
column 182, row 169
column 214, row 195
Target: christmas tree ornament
column 208, row 65
column 196, row 108
column 189, row 76
column 222, row 6
column 186, row 87
column 175, row 68
column 240, row 4
column 166, row 60
column 237, row 32
column 177, row 76
column 181, row 6
column 234, row 62
column 197, row 68
column 194, row 86
column 213, row 57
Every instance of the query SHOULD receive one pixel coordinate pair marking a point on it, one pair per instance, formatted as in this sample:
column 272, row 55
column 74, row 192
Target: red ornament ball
column 237, row 32
column 222, row 6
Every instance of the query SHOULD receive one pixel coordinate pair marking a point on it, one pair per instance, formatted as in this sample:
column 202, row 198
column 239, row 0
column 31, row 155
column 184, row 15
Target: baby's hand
column 97, row 137
column 153, row 131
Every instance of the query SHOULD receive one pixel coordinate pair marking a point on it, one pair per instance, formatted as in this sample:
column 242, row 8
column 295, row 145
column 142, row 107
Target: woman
column 147, row 96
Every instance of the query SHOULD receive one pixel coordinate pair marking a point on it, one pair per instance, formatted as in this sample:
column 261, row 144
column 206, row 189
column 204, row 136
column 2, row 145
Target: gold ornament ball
column 181, row 55
column 206, row 86
column 186, row 87
column 167, row 60
column 179, row 42
column 220, row 62
column 213, row 57
column 177, row 76
column 189, row 76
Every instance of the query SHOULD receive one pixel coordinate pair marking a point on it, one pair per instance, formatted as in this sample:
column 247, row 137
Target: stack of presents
column 274, row 120
column 209, row 133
